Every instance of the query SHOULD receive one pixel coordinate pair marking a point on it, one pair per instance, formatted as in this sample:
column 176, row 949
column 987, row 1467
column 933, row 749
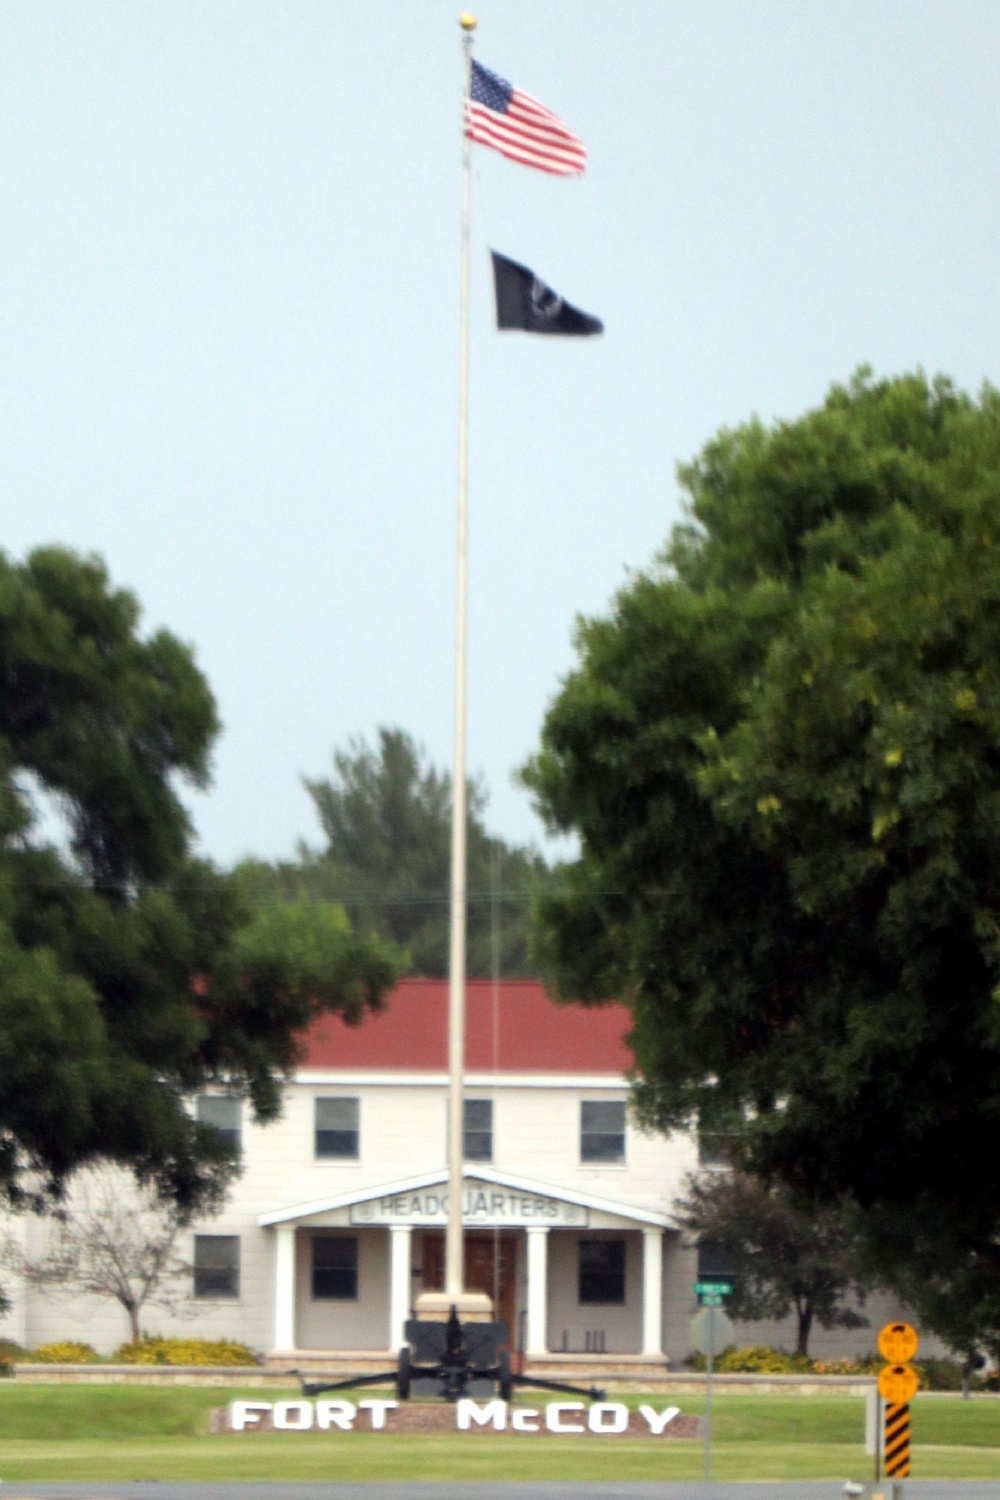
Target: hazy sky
column 228, row 293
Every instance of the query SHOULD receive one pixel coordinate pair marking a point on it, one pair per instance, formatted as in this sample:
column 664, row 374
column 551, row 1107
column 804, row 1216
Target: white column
column 400, row 1236
column 284, row 1288
column 652, row 1291
column 538, row 1275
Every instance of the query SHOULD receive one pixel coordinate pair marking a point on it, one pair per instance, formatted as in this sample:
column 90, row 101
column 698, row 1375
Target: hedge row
column 934, row 1374
column 149, row 1351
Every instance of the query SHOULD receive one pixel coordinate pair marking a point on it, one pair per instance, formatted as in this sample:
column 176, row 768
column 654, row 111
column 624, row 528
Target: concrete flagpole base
column 471, row 1307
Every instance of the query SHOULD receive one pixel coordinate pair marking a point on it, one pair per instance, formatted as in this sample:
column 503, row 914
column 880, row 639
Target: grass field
column 132, row 1433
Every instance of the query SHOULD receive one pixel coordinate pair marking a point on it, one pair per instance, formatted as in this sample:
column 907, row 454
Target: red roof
column 523, row 1032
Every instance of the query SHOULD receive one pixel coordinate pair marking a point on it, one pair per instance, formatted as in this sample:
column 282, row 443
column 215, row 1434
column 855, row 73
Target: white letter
column 293, row 1416
column 468, row 1411
column 523, row 1419
column 335, row 1414
column 554, row 1422
column 246, row 1413
column 614, row 1410
column 378, row 1410
column 658, row 1420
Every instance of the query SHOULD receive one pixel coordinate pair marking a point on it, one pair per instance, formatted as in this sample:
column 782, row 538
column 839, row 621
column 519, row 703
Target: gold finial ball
column 467, row 21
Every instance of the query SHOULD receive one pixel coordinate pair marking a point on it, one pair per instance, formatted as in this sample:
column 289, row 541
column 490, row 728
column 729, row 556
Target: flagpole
column 454, row 1249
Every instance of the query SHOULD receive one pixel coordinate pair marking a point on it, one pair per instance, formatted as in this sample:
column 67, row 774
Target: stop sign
column 711, row 1330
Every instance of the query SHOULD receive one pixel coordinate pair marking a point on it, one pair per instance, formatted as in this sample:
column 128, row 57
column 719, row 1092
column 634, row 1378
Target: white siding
column 536, row 1137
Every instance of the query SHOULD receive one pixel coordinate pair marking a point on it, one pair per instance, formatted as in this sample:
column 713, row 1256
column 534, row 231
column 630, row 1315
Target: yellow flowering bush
column 179, row 1351
column 758, row 1359
column 868, row 1364
column 63, row 1352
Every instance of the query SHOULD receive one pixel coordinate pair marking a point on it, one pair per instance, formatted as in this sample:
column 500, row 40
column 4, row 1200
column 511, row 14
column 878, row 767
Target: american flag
column 499, row 115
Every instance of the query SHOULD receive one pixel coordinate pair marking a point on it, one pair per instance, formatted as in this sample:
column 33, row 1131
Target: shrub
column 757, row 1359
column 934, row 1374
column 174, row 1351
column 10, row 1353
column 697, row 1361
column 63, row 1352
column 943, row 1375
column 863, row 1364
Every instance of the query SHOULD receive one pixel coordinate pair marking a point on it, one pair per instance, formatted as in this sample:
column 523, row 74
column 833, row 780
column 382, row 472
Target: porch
column 572, row 1276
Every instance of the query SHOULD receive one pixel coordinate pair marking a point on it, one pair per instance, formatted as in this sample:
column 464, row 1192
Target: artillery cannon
column 453, row 1356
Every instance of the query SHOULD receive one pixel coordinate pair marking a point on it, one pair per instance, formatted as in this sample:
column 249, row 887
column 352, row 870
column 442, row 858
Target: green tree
column 781, row 755
column 952, row 1278
column 785, row 1259
column 132, row 974
column 386, row 815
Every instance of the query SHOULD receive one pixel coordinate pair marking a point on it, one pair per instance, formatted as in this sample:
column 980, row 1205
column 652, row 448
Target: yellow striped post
column 897, row 1440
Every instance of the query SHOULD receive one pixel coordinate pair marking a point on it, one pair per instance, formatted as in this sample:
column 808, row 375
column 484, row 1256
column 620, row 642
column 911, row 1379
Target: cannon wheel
column 403, row 1376
column 504, row 1380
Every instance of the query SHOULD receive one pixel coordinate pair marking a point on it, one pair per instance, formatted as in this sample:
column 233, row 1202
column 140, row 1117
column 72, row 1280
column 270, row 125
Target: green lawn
column 131, row 1433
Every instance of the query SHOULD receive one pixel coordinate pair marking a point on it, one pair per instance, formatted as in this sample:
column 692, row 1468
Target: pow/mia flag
column 523, row 301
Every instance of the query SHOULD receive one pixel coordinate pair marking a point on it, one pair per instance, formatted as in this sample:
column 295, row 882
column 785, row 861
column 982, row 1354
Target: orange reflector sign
column 898, row 1384
column 897, row 1343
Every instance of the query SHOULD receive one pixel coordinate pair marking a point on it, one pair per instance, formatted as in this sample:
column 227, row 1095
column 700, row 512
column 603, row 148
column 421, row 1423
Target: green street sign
column 719, row 1288
column 709, row 1299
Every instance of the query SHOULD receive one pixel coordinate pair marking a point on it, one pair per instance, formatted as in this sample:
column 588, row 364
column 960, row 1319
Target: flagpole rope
column 484, row 235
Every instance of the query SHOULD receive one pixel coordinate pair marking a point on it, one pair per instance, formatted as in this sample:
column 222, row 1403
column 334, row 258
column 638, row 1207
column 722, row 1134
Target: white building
column 337, row 1221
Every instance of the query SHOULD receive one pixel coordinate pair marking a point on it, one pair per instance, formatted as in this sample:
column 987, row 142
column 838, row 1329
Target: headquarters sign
column 482, row 1203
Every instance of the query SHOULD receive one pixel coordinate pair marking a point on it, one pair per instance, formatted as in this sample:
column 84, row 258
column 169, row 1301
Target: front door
column 486, row 1270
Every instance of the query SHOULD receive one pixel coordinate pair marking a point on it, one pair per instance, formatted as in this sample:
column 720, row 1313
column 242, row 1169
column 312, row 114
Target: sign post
column 711, row 1331
column 897, row 1385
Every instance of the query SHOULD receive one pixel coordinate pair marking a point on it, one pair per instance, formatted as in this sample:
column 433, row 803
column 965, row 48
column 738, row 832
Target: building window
column 222, row 1113
column 216, row 1265
column 337, row 1128
column 713, row 1148
column 477, row 1122
column 602, row 1130
column 715, row 1261
column 334, row 1268
column 602, row 1271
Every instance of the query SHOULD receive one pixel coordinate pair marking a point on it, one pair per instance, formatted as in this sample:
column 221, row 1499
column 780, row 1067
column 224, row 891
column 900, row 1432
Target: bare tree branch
column 112, row 1238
